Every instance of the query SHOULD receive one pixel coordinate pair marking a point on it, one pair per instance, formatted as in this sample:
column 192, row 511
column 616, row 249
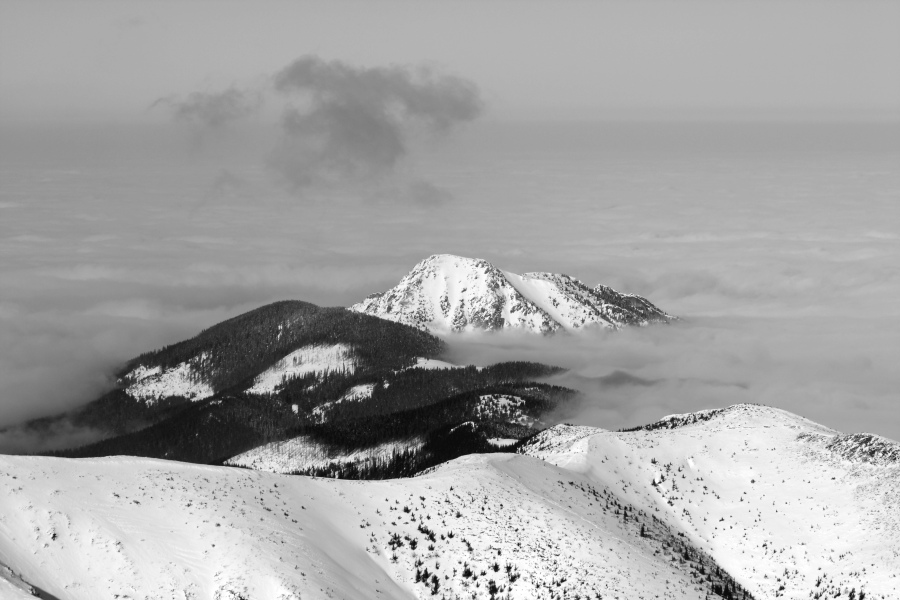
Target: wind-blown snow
column 152, row 384
column 446, row 293
column 303, row 361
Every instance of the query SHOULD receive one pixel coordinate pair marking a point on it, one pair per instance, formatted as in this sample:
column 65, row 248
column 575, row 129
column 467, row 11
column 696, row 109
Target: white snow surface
column 153, row 384
column 303, row 452
column 151, row 529
column 315, row 358
column 433, row 363
column 447, row 293
column 502, row 442
column 503, row 407
column 760, row 490
column 354, row 394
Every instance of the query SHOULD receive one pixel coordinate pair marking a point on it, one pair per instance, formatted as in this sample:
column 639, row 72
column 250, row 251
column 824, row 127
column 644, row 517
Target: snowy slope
column 151, row 384
column 445, row 293
column 303, row 361
column 787, row 506
column 304, row 454
column 138, row 528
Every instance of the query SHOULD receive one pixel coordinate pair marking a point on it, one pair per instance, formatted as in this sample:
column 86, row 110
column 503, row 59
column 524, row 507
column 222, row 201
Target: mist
column 211, row 110
column 841, row 374
column 774, row 242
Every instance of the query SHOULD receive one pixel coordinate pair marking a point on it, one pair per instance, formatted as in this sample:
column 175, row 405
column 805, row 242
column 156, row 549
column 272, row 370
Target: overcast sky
column 109, row 60
column 317, row 151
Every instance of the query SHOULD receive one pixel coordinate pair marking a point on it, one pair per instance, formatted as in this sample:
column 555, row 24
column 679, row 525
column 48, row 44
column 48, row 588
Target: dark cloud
column 212, row 110
column 348, row 124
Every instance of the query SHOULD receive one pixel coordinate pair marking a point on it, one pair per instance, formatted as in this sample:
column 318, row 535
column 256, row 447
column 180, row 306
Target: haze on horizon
column 735, row 163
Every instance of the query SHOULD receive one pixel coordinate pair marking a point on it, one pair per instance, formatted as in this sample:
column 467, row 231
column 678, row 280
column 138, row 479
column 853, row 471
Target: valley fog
column 838, row 374
column 776, row 243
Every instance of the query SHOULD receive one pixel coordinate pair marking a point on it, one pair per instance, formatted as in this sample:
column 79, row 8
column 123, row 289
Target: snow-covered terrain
column 152, row 384
column 303, row 453
column 433, row 363
column 303, row 361
column 787, row 507
column 446, row 293
column 481, row 526
column 356, row 393
column 790, row 508
column 504, row 407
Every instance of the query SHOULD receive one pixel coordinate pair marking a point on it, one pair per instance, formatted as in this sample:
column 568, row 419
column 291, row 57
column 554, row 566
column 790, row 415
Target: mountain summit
column 447, row 293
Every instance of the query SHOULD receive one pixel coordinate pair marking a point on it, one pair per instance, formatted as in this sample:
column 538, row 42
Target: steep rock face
column 446, row 293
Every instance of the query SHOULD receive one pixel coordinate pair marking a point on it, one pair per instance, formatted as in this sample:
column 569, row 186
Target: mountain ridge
column 446, row 293
column 758, row 509
column 783, row 503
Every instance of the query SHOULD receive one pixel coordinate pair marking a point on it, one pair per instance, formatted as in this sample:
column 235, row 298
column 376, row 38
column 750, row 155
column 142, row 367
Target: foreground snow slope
column 137, row 528
column 790, row 508
column 445, row 293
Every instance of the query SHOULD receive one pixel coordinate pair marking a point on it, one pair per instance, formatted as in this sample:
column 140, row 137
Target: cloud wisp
column 348, row 125
column 212, row 110
column 343, row 126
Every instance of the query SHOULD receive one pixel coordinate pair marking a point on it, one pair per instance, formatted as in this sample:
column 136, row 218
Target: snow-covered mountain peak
column 737, row 415
column 447, row 293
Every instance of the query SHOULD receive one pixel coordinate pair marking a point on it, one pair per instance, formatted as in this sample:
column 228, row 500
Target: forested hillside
column 413, row 403
column 237, row 350
column 228, row 356
column 314, row 390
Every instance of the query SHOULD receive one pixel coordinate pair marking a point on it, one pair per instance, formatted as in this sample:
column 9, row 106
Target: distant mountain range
column 297, row 388
column 446, row 293
column 277, row 381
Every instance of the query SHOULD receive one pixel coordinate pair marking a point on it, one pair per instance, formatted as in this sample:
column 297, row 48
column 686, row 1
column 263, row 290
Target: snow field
column 152, row 384
column 786, row 517
column 303, row 361
column 303, row 453
column 622, row 515
column 138, row 528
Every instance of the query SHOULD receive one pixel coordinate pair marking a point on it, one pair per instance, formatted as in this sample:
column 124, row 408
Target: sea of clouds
column 777, row 243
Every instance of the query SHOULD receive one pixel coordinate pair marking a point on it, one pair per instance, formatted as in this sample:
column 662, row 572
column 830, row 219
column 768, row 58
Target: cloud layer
column 839, row 373
column 782, row 260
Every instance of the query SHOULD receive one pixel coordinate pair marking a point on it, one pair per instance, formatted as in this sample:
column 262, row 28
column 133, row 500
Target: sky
column 164, row 166
column 102, row 60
